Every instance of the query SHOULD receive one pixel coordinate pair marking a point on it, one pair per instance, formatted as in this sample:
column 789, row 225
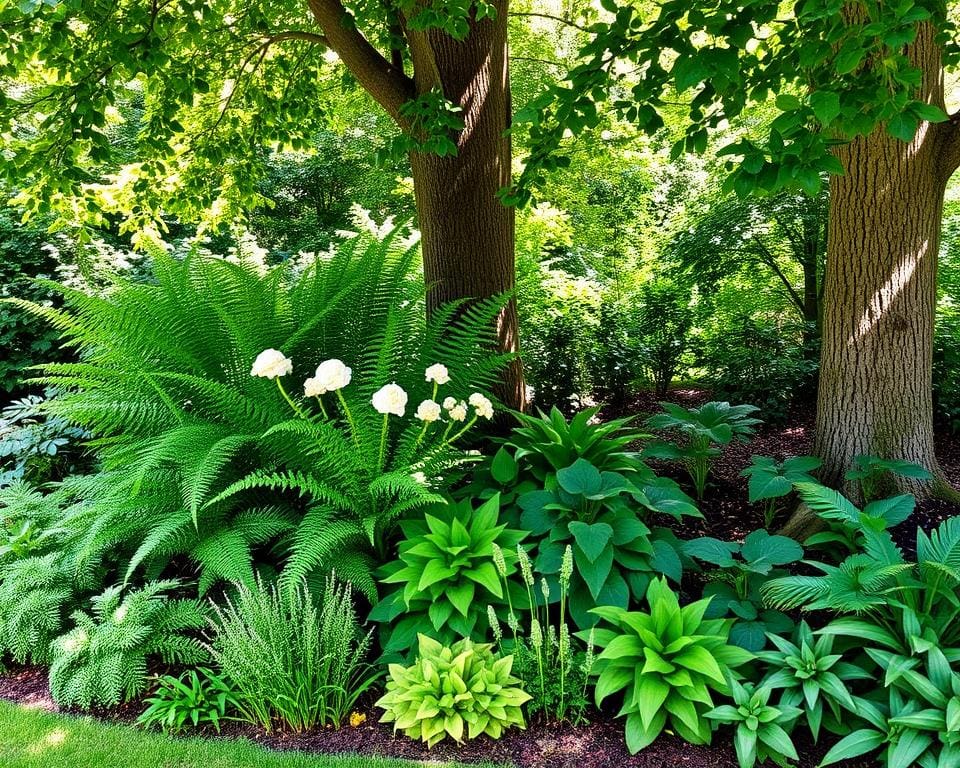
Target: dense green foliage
column 198, row 697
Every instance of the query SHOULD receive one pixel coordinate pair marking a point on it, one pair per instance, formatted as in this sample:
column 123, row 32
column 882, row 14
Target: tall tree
column 215, row 79
column 858, row 87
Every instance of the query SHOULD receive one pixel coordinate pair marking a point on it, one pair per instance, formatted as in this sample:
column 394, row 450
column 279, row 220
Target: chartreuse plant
column 760, row 728
column 460, row 691
column 667, row 663
column 198, row 697
column 772, row 481
column 702, row 430
column 103, row 659
column 599, row 514
column 734, row 586
column 447, row 576
column 812, row 677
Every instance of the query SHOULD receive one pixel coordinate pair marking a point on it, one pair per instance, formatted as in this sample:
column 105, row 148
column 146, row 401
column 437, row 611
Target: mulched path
column 727, row 515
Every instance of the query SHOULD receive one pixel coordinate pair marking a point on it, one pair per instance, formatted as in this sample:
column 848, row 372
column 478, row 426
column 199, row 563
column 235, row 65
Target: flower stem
column 322, row 409
column 346, row 412
column 296, row 408
column 383, row 443
column 462, row 432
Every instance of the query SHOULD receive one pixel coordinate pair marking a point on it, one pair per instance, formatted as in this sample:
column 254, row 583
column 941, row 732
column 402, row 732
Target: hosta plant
column 872, row 473
column 812, row 677
column 771, row 481
column 667, row 663
column 702, row 430
column 198, row 697
column 734, row 585
column 103, row 659
column 760, row 728
column 601, row 516
column 447, row 575
column 460, row 691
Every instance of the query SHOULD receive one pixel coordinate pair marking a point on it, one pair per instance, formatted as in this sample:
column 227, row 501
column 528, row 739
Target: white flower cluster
column 391, row 399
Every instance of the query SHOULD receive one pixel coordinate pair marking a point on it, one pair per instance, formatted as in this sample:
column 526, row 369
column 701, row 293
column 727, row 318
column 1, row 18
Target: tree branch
column 390, row 87
column 551, row 17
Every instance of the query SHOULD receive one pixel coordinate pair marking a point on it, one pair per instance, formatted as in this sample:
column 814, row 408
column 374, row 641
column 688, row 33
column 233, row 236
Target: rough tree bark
column 875, row 394
column 467, row 235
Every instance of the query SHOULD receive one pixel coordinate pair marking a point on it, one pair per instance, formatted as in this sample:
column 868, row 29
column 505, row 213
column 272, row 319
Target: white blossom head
column 438, row 374
column 330, row 376
column 390, row 399
column 458, row 412
column 449, row 402
column 428, row 411
column 482, row 405
column 271, row 364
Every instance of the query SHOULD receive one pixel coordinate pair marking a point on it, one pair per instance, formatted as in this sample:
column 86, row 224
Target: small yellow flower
column 357, row 719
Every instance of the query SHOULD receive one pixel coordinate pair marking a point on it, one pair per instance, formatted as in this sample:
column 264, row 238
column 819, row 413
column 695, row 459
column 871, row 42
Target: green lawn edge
column 32, row 738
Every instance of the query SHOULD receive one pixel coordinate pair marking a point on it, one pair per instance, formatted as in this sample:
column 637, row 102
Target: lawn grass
column 30, row 738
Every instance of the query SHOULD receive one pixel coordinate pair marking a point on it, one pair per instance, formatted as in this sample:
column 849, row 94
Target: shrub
column 198, row 697
column 702, row 430
column 291, row 662
column 203, row 461
column 447, row 575
column 460, row 691
column 666, row 662
column 662, row 329
column 34, row 446
column 946, row 367
column 734, row 586
column 103, row 659
column 36, row 592
column 771, row 481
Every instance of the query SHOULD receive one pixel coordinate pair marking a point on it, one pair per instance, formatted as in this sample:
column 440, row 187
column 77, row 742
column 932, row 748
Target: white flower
column 449, row 402
column 438, row 373
column 482, row 405
column 312, row 387
column 419, row 477
column 458, row 412
column 428, row 411
column 271, row 364
column 330, row 376
column 390, row 398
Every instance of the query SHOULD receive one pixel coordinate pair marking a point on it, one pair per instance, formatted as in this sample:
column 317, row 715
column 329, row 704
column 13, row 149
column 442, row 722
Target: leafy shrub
column 553, row 670
column 701, row 429
column 612, row 359
column 200, row 459
column 757, row 361
column 662, row 331
column 103, row 659
column 734, row 587
column 289, row 661
column 812, row 677
column 461, row 691
column 771, row 481
column 871, row 473
column 34, row 446
column 666, row 662
column 946, row 365
column 198, row 697
column 760, row 733
column 447, row 574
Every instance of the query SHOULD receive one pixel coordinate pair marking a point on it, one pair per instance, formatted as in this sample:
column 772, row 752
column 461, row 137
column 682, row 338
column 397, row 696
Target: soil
column 727, row 515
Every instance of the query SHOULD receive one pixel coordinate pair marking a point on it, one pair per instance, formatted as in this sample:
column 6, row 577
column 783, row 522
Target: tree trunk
column 467, row 233
column 875, row 395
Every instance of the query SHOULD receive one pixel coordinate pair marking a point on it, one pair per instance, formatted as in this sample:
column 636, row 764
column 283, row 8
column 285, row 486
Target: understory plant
column 447, row 575
column 772, row 481
column 702, row 431
column 555, row 671
column 36, row 594
column 760, row 728
column 667, row 662
column 199, row 460
column 198, row 697
column 734, row 584
column 872, row 474
column 104, row 658
column 460, row 691
column 295, row 660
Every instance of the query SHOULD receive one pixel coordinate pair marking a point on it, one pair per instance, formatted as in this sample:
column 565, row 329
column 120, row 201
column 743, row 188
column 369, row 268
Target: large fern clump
column 203, row 463
column 103, row 659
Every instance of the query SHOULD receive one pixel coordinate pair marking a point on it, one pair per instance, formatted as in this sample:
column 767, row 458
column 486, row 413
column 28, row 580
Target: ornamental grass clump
column 460, row 691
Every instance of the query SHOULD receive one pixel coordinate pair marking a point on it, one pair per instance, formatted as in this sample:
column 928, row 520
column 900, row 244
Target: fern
column 190, row 444
column 104, row 658
column 35, row 594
